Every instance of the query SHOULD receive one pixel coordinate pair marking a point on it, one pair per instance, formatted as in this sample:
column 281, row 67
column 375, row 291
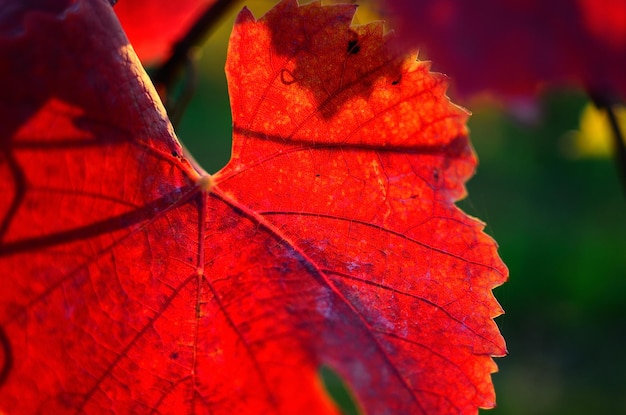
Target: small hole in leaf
column 397, row 80
column 353, row 47
column 339, row 391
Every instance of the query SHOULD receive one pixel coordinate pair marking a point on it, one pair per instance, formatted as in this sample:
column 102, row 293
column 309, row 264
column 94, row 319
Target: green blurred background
column 560, row 222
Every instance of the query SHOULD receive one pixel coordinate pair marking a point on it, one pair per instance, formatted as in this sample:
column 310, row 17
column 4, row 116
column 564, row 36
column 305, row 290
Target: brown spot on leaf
column 353, row 47
column 287, row 77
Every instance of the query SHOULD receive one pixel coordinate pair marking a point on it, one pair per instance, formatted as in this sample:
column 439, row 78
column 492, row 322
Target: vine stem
column 619, row 144
column 181, row 52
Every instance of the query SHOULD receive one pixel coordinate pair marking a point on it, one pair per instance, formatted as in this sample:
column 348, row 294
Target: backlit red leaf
column 133, row 283
column 154, row 26
column 512, row 47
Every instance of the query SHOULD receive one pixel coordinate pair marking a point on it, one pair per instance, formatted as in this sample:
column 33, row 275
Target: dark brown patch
column 287, row 77
column 353, row 47
column 7, row 365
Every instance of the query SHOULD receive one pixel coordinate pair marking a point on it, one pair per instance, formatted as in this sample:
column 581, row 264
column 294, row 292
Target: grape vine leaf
column 154, row 26
column 512, row 48
column 136, row 283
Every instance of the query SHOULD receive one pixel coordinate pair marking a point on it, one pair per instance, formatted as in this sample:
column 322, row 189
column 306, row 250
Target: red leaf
column 154, row 26
column 134, row 284
column 512, row 47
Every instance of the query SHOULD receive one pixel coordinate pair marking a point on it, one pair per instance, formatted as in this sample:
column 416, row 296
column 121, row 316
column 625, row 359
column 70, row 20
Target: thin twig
column 619, row 144
column 166, row 73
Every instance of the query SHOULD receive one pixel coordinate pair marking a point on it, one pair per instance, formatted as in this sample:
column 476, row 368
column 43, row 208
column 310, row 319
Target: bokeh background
column 550, row 193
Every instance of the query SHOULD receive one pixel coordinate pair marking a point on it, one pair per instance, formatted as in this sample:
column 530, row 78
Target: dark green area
column 206, row 127
column 338, row 391
column 561, row 227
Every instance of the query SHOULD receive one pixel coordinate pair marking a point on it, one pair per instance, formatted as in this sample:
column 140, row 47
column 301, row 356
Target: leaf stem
column 166, row 73
column 604, row 102
column 620, row 144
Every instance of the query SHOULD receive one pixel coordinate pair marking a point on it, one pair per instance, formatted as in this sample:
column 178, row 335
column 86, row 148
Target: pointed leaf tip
column 245, row 15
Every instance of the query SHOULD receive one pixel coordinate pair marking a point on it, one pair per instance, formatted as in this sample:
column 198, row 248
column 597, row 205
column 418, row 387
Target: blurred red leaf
column 133, row 283
column 153, row 26
column 512, row 47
